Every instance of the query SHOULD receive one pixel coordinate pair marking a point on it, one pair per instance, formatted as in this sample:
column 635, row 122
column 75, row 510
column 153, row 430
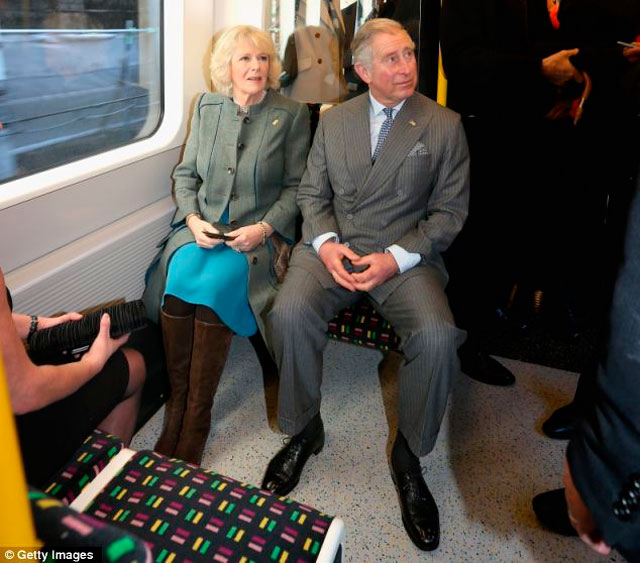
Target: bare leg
column 121, row 421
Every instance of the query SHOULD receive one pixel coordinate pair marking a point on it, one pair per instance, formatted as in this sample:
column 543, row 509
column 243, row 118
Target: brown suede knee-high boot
column 211, row 343
column 177, row 334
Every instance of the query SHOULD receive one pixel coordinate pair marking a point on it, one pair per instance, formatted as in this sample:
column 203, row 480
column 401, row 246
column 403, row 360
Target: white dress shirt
column 405, row 260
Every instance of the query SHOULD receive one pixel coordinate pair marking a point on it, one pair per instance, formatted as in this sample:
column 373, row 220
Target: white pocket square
column 419, row 149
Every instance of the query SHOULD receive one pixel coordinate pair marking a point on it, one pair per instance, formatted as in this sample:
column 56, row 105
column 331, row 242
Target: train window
column 77, row 78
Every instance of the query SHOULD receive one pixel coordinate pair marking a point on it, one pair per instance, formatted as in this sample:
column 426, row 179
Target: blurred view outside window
column 77, row 78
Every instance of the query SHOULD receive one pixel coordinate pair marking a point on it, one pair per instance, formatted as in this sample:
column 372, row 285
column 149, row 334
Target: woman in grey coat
column 235, row 189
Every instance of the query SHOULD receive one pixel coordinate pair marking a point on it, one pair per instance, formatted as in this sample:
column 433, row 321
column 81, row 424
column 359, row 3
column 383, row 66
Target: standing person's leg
column 297, row 327
column 429, row 339
column 591, row 289
column 483, row 245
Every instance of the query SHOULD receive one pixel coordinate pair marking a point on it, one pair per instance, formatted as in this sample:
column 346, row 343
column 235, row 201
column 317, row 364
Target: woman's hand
column 103, row 346
column 48, row 322
column 247, row 238
column 198, row 227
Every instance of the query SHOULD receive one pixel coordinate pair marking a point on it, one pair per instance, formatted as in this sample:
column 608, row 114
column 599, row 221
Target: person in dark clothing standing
column 504, row 62
column 538, row 195
column 601, row 502
column 606, row 142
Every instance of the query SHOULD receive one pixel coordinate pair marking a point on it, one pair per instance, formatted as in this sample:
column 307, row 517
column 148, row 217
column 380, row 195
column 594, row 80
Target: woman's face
column 249, row 73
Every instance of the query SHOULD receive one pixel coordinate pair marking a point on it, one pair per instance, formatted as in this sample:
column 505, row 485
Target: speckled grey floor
column 490, row 459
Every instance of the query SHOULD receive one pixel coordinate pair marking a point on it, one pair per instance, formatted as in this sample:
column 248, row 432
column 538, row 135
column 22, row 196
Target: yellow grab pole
column 16, row 525
column 441, row 97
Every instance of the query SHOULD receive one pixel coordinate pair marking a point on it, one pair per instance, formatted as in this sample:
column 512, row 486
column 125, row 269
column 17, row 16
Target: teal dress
column 215, row 277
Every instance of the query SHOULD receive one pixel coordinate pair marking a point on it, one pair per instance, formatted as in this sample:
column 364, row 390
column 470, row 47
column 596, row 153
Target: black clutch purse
column 60, row 343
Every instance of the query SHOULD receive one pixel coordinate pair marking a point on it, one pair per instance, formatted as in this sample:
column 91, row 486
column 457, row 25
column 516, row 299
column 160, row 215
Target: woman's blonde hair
column 225, row 43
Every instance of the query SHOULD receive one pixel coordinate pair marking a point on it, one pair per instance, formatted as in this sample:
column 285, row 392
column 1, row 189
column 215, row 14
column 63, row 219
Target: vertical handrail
column 16, row 524
column 441, row 97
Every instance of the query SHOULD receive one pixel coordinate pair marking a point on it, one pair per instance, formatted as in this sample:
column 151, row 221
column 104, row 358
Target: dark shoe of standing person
column 417, row 506
column 551, row 509
column 561, row 425
column 284, row 470
column 480, row 366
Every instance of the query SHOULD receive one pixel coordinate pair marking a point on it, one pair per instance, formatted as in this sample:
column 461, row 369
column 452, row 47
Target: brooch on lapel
column 412, row 123
column 275, row 121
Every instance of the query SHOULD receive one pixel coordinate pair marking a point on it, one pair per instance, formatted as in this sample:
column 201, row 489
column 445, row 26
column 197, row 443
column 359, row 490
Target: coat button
column 246, row 119
column 234, row 196
column 349, row 215
column 347, row 244
column 317, row 35
column 319, row 61
column 240, row 146
column 254, row 260
column 232, row 223
column 621, row 512
column 230, row 170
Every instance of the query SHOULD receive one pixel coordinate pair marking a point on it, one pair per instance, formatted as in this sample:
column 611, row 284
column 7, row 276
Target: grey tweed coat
column 275, row 137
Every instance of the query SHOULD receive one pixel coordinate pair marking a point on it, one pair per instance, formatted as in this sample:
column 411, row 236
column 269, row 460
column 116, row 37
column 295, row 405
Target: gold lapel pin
column 412, row 123
column 275, row 121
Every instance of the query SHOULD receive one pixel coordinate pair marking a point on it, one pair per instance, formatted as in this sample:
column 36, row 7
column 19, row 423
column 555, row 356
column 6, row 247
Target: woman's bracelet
column 264, row 232
column 33, row 327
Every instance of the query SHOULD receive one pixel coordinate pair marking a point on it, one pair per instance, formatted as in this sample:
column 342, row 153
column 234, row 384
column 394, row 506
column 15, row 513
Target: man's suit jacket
column 416, row 195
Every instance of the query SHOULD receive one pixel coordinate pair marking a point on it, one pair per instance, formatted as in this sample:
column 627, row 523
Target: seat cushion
column 362, row 324
column 88, row 460
column 185, row 512
column 59, row 526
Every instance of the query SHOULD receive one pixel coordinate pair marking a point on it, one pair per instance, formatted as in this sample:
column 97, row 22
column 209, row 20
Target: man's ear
column 363, row 72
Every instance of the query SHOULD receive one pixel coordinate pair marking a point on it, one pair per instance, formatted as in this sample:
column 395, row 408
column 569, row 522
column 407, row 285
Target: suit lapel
column 408, row 127
column 358, row 139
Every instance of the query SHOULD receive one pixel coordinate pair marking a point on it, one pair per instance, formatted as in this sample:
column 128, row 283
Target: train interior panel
column 95, row 107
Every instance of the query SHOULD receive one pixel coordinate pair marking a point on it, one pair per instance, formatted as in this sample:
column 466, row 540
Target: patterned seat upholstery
column 57, row 525
column 184, row 512
column 88, row 460
column 362, row 324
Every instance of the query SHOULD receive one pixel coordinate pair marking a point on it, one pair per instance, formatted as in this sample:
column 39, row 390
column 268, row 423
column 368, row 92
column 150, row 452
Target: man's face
column 392, row 76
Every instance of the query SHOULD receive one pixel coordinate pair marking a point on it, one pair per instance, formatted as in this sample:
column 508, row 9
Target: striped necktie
column 384, row 132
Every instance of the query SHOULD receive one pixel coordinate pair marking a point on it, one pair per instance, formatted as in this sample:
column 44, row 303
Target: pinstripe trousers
column 419, row 312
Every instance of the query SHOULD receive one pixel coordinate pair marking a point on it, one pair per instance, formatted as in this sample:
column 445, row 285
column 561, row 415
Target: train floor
column 490, row 459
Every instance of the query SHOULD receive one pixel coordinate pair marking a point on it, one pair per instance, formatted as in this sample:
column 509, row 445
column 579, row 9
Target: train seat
column 361, row 324
column 180, row 511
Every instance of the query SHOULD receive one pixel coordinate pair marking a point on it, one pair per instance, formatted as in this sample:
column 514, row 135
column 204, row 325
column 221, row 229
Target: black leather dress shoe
column 561, row 425
column 551, row 509
column 482, row 367
column 284, row 470
column 419, row 510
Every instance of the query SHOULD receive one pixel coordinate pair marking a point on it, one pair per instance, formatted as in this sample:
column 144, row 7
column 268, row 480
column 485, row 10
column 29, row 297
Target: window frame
column 168, row 133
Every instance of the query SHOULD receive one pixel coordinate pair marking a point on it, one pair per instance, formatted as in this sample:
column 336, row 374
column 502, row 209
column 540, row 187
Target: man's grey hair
column 361, row 44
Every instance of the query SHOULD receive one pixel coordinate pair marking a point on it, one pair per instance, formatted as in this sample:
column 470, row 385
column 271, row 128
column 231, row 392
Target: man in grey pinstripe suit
column 384, row 193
